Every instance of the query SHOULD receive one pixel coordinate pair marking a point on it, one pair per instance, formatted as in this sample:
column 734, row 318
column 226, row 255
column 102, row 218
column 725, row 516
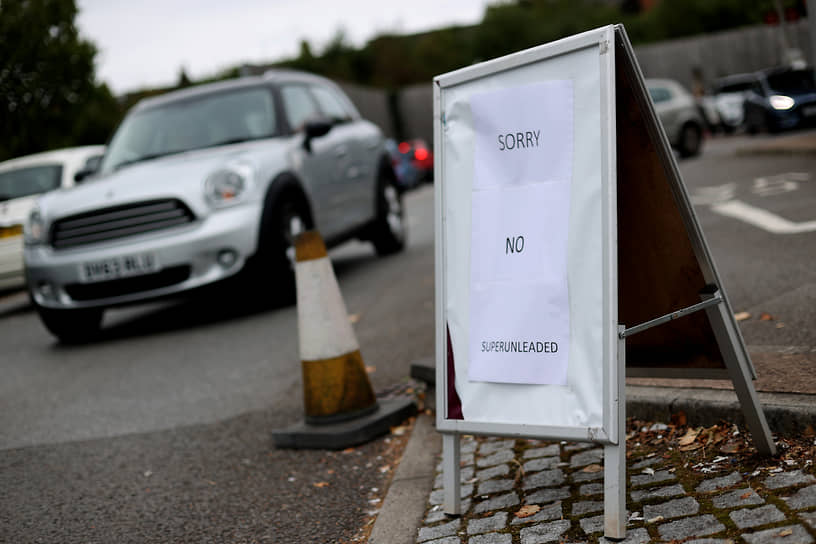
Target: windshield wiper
column 147, row 158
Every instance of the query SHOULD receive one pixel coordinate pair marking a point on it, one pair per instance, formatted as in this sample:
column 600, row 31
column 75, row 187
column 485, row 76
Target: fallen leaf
column 690, row 436
column 786, row 532
column 398, row 431
column 655, row 519
column 348, row 450
column 742, row 316
column 592, row 469
column 370, row 369
column 679, row 419
column 321, row 484
column 691, row 447
column 780, row 325
column 527, row 510
column 354, row 318
column 745, row 495
column 765, row 316
column 731, row 446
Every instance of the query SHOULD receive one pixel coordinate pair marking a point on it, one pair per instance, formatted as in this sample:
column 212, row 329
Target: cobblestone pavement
column 700, row 497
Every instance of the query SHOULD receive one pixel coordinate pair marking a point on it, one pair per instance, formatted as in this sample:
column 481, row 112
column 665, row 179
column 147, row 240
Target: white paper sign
column 519, row 298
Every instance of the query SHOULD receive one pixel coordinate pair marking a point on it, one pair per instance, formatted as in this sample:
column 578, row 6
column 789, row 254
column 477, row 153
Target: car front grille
column 127, row 286
column 119, row 222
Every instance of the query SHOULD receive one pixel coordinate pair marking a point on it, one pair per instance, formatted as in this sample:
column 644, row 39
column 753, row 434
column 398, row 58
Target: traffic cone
column 340, row 407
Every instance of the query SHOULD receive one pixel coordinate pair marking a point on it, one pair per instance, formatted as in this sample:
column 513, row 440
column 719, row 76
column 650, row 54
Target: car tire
column 274, row 265
column 72, row 326
column 691, row 139
column 388, row 229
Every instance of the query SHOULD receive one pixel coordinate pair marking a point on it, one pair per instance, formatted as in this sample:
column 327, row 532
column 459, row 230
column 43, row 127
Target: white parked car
column 679, row 114
column 203, row 183
column 22, row 180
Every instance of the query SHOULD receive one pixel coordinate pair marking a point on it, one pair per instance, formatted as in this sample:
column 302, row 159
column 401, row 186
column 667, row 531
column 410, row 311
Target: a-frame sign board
column 567, row 256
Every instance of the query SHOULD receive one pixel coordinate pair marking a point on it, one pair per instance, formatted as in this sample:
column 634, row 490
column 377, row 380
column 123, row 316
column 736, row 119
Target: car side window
column 298, row 105
column 659, row 94
column 330, row 104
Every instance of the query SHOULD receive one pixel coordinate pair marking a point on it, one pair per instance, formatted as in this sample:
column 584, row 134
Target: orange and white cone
column 335, row 383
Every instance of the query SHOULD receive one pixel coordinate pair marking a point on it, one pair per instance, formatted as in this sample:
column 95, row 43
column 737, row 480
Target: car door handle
column 340, row 151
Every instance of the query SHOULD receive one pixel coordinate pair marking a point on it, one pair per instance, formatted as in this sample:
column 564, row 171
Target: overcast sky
column 145, row 43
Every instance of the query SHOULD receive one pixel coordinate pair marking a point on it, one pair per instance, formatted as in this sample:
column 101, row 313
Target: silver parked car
column 201, row 184
column 679, row 114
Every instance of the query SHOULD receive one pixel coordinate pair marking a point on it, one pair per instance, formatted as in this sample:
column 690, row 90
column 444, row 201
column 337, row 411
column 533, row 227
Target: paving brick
column 719, row 483
column 586, row 458
column 595, row 524
column 465, row 460
column 754, row 517
column 496, row 522
column 502, row 456
column 809, row 518
column 545, row 478
column 492, row 538
column 709, row 541
column 497, row 503
column 578, row 446
column 684, row 528
column 438, row 496
column 495, row 486
column 591, row 489
column 676, row 508
column 657, row 477
column 542, row 463
column 804, row 498
column 772, row 536
column 633, row 536
column 492, row 446
column 659, row 493
column 435, row 516
column 446, row 540
column 648, row 462
column 581, row 476
column 586, row 507
column 468, row 445
column 547, row 513
column 788, row 479
column 544, row 496
column 492, row 472
column 438, row 531
column 547, row 451
column 544, row 532
column 739, row 497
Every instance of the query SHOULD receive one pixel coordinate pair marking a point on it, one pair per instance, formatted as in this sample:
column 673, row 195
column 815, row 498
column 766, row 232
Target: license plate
column 809, row 111
column 118, row 267
column 11, row 231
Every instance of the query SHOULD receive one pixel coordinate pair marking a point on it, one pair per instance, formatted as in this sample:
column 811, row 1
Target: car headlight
column 227, row 186
column 34, row 228
column 781, row 102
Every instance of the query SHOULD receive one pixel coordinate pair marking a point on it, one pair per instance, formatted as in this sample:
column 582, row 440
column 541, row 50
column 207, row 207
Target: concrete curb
column 404, row 506
column 14, row 302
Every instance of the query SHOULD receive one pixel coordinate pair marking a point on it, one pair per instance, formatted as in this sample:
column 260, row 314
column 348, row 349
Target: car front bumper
column 188, row 257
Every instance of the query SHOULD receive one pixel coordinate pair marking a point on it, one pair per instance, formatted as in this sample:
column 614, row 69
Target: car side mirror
column 89, row 169
column 315, row 129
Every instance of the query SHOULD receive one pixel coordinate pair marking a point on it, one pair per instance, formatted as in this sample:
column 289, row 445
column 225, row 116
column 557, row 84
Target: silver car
column 201, row 184
column 678, row 112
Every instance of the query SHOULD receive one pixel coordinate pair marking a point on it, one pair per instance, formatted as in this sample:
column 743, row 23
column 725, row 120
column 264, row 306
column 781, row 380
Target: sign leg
column 738, row 369
column 615, row 458
column 450, row 473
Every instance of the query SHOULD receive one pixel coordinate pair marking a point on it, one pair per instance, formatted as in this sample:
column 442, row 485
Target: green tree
column 48, row 94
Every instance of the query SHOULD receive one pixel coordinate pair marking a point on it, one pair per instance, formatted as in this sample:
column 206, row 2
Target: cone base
column 341, row 435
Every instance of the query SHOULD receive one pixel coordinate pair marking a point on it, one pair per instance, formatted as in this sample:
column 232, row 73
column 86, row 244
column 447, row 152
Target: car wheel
column 691, row 138
column 72, row 326
column 275, row 266
column 388, row 230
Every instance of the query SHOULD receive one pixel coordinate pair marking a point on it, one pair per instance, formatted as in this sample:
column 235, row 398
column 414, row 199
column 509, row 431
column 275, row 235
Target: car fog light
column 227, row 257
column 46, row 291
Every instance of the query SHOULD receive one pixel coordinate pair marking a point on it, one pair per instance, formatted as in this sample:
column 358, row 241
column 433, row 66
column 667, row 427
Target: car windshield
column 30, row 180
column 734, row 87
column 215, row 119
column 795, row 81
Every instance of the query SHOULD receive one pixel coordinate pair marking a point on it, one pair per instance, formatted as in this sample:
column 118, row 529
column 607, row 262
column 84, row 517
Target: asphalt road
column 160, row 431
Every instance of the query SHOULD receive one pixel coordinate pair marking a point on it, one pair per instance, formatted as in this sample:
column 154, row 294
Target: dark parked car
column 781, row 99
column 412, row 161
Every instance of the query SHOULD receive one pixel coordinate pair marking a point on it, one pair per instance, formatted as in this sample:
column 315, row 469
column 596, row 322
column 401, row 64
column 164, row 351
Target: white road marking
column 762, row 218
